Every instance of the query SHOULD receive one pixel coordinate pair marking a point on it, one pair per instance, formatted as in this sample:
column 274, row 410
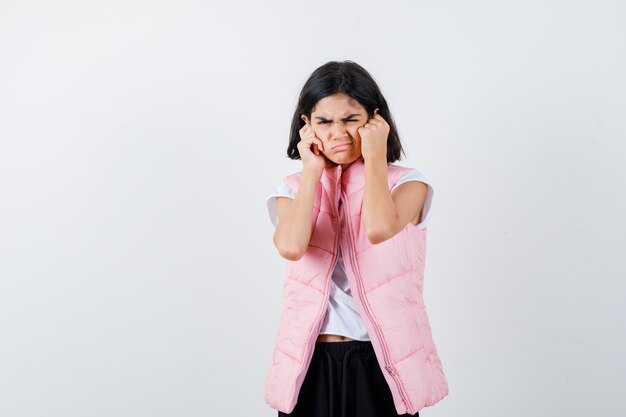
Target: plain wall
column 139, row 141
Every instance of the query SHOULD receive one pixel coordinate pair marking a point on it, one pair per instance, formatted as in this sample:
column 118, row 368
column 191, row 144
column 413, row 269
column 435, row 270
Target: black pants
column 344, row 379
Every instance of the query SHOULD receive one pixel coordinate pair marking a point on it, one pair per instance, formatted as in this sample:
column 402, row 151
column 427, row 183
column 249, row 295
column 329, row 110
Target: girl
column 354, row 338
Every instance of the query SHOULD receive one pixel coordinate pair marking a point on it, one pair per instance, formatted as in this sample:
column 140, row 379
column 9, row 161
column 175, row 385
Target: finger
column 375, row 120
column 312, row 143
column 306, row 126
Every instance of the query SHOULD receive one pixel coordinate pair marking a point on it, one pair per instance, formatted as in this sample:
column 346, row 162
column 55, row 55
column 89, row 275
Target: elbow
column 378, row 231
column 288, row 251
column 290, row 254
column 377, row 236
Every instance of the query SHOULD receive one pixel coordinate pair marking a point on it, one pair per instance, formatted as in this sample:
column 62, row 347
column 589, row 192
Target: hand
column 374, row 136
column 309, row 148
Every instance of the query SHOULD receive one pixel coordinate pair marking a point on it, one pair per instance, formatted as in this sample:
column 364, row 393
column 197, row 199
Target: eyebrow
column 345, row 118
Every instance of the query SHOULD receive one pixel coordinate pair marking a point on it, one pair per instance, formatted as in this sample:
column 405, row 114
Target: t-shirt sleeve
column 282, row 191
column 415, row 175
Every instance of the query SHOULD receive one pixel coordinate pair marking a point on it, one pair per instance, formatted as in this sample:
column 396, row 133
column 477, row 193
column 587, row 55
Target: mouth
column 342, row 146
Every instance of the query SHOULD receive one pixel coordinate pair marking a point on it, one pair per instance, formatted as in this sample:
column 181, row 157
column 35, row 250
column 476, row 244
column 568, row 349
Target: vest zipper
column 388, row 366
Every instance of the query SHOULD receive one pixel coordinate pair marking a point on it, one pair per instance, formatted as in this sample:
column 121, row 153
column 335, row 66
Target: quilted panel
column 311, row 269
column 325, row 232
column 384, row 262
column 394, row 306
column 300, row 307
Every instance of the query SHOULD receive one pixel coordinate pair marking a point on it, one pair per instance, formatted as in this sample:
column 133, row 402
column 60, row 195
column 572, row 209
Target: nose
column 338, row 131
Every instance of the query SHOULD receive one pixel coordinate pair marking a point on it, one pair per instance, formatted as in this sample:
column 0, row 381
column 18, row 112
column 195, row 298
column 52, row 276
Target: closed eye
column 328, row 121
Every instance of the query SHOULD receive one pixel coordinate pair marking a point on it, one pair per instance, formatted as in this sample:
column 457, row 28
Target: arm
column 384, row 214
column 295, row 225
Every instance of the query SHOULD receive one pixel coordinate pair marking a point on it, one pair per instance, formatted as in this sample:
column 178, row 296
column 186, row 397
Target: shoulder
column 287, row 188
column 293, row 180
column 425, row 190
column 275, row 203
column 401, row 174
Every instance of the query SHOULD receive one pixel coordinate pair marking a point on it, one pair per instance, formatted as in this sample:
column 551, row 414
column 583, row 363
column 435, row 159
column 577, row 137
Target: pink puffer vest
column 386, row 281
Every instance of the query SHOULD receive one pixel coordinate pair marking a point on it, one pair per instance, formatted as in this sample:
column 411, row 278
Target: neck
column 344, row 167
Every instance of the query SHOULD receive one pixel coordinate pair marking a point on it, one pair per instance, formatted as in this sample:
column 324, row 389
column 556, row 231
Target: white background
column 139, row 140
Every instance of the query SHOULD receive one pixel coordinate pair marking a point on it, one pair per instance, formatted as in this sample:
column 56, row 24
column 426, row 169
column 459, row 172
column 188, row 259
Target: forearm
column 293, row 232
column 379, row 210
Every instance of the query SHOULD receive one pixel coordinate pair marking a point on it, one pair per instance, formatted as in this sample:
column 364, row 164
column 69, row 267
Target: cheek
column 320, row 132
column 354, row 132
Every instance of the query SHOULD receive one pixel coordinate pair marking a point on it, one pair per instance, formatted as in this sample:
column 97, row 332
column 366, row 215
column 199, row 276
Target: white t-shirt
column 342, row 316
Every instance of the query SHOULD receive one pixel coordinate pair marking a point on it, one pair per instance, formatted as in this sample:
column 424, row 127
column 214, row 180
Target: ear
column 303, row 117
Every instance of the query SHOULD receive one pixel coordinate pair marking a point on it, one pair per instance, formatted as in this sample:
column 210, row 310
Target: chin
column 342, row 160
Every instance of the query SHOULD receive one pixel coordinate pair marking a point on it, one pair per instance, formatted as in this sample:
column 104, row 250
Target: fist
column 374, row 136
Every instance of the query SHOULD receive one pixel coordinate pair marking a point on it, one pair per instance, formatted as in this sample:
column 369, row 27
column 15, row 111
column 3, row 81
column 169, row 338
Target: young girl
column 354, row 338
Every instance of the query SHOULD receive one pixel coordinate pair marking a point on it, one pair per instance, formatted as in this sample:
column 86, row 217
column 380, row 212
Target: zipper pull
column 392, row 371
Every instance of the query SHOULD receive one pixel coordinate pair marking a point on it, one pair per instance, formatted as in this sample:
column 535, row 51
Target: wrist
column 312, row 173
column 376, row 161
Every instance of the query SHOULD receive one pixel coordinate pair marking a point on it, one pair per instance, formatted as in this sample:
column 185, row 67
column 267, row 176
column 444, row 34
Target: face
column 335, row 120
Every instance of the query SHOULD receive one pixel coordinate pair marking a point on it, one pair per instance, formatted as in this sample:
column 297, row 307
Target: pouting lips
column 342, row 146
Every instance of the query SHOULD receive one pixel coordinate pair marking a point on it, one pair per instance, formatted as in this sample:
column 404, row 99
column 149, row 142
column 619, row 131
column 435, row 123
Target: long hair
column 352, row 79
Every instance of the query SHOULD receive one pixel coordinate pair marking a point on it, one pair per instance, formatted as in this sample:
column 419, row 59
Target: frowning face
column 335, row 119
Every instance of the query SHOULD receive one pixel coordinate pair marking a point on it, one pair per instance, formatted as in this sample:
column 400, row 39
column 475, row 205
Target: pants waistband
column 341, row 350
